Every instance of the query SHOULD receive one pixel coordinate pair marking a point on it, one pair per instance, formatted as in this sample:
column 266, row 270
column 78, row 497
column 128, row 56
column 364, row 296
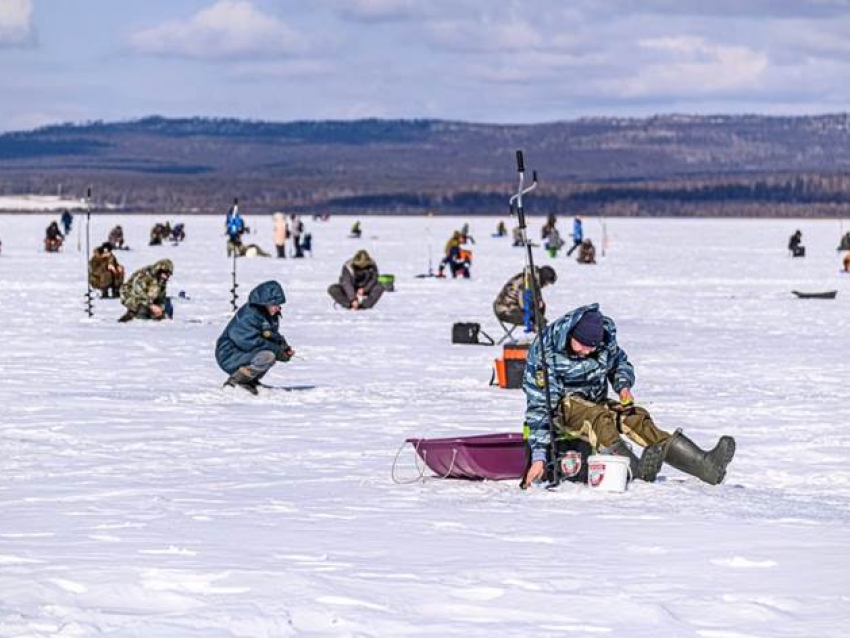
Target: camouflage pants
column 597, row 423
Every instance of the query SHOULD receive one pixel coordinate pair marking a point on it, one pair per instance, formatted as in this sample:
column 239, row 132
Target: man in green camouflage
column 144, row 294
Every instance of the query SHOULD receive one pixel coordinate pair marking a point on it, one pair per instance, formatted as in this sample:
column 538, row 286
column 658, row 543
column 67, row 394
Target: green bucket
column 387, row 281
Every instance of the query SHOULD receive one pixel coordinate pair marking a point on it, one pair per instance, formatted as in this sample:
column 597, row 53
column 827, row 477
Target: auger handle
column 520, row 162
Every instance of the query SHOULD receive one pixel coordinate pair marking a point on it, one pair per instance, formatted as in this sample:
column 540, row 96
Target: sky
column 472, row 60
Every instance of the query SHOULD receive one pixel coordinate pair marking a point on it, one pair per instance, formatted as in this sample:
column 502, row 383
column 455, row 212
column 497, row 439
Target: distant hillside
column 668, row 165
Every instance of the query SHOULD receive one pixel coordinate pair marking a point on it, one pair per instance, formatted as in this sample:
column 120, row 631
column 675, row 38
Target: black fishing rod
column 516, row 205
column 89, row 310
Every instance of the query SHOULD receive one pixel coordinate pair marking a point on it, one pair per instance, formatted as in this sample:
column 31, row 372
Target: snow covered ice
column 139, row 498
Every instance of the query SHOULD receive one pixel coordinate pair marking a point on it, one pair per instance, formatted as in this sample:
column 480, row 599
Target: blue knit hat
column 588, row 331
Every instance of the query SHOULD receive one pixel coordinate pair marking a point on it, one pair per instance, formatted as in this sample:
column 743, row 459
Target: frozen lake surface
column 139, row 498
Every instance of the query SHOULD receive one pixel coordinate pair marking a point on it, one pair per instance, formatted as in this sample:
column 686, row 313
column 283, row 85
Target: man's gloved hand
column 627, row 401
column 286, row 354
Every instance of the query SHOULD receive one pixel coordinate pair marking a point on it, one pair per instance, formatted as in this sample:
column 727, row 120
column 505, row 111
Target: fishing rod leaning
column 516, row 205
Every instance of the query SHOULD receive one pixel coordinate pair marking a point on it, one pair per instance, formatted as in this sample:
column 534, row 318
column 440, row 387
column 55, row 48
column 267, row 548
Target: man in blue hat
column 583, row 357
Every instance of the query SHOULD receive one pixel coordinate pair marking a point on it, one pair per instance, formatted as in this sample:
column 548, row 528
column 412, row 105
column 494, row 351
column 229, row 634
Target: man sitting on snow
column 583, row 358
column 358, row 287
column 251, row 343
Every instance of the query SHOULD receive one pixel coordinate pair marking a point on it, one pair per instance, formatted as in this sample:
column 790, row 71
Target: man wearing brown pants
column 583, row 357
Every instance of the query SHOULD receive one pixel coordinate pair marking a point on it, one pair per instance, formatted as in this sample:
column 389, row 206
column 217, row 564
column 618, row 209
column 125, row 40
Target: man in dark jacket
column 358, row 287
column 251, row 343
column 583, row 357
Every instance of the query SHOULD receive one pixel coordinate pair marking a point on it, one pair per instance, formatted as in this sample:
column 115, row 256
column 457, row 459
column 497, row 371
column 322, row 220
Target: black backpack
column 469, row 333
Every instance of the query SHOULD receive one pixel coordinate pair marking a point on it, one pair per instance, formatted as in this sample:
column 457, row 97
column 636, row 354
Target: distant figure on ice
column 548, row 227
column 847, row 261
column 105, row 273
column 465, row 237
column 280, row 234
column 116, row 239
column 358, row 287
column 844, row 244
column 795, row 244
column 67, row 220
column 178, row 233
column 235, row 230
column 554, row 243
column 514, row 303
column 501, row 229
column 144, row 294
column 296, row 229
column 159, row 232
column 578, row 235
column 583, row 358
column 251, row 343
column 457, row 257
column 355, row 230
column 586, row 252
column 516, row 233
column 53, row 238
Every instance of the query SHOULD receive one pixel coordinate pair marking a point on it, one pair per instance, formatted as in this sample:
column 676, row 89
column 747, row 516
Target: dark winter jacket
column 568, row 374
column 252, row 330
column 360, row 272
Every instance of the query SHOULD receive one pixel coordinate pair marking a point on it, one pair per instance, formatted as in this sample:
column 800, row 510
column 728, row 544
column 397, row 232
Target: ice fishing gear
column 516, row 205
column 89, row 295
column 233, row 294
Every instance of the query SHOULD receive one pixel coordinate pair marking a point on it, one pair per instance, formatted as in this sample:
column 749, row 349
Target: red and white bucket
column 608, row 472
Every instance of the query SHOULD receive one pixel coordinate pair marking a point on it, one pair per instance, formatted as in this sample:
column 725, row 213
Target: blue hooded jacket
column 569, row 374
column 252, row 329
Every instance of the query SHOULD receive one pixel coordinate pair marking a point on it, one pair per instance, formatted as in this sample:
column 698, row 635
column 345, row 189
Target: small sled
column 491, row 457
column 829, row 294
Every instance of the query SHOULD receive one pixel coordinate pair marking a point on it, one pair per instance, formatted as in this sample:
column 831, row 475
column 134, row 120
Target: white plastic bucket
column 608, row 472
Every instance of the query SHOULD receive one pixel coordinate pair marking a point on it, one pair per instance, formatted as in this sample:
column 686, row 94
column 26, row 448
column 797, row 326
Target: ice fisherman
column 280, row 234
column 583, row 358
column 67, row 220
column 105, row 273
column 145, row 295
column 358, row 287
column 578, row 235
column 510, row 306
column 53, row 238
column 116, row 238
column 586, row 252
column 251, row 343
column 795, row 244
column 235, row 230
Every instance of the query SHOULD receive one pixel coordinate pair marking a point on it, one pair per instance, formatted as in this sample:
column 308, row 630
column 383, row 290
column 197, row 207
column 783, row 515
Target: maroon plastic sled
column 485, row 456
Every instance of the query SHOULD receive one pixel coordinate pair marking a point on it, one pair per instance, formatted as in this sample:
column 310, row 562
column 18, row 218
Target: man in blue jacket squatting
column 251, row 344
column 583, row 358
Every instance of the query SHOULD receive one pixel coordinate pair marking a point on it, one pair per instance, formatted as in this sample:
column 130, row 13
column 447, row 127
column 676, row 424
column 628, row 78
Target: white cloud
column 16, row 28
column 228, row 29
column 690, row 66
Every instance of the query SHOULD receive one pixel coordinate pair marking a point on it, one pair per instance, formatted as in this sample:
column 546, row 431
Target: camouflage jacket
column 144, row 288
column 570, row 375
